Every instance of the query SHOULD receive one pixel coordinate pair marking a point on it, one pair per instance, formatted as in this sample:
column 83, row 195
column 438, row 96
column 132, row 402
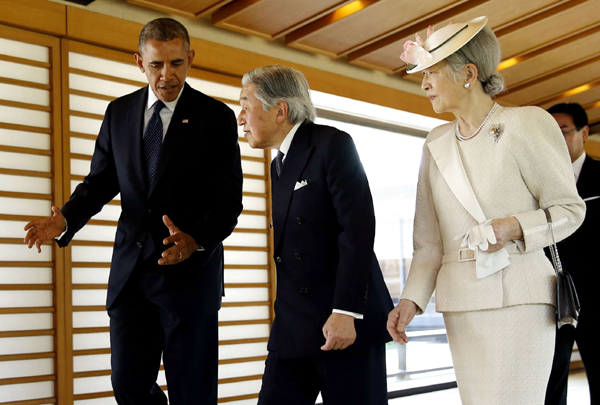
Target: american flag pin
column 185, row 121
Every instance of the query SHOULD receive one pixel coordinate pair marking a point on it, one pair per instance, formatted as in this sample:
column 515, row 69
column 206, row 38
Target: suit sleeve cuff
column 352, row 314
column 63, row 234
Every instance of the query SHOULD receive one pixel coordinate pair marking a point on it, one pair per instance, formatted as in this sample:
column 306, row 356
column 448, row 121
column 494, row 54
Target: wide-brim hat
column 445, row 41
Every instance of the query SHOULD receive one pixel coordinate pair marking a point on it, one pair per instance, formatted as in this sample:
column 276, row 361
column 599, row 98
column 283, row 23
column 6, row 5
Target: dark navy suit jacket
column 324, row 234
column 198, row 184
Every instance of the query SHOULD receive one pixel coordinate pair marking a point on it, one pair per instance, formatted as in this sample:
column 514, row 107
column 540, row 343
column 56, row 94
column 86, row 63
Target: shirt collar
column 577, row 165
column 169, row 104
column 287, row 141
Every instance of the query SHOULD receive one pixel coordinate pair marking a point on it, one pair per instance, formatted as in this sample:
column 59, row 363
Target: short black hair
column 164, row 30
column 574, row 110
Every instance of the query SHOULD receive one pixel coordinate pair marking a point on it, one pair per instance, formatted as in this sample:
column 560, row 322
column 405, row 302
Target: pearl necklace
column 466, row 138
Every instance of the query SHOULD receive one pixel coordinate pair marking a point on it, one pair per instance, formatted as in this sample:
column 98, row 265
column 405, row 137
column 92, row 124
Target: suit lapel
column 174, row 136
column 135, row 120
column 444, row 151
column 295, row 161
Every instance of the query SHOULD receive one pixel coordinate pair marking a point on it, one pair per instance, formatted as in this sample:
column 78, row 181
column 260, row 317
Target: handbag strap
column 553, row 249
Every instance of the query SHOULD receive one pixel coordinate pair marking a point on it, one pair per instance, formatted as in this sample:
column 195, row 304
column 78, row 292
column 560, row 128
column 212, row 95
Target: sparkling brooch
column 496, row 132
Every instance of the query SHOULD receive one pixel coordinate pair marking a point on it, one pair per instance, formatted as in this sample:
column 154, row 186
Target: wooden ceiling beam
column 532, row 81
column 571, row 92
column 173, row 10
column 410, row 30
column 293, row 37
column 221, row 17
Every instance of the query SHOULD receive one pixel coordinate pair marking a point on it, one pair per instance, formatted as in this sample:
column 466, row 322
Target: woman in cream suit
column 480, row 225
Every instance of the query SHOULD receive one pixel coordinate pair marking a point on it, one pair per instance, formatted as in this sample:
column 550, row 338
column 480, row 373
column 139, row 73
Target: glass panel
column 83, row 146
column 246, row 294
column 27, row 344
column 21, row 253
column 89, row 275
column 246, row 150
column 252, row 221
column 24, row 139
column 23, row 50
column 26, row 299
column 252, row 167
column 96, row 233
column 235, row 257
column 22, row 116
column 27, row 73
column 12, row 322
column 255, row 204
column 25, row 184
column 109, row 212
column 254, row 186
column 90, row 319
column 92, row 384
column 97, row 401
column 84, row 125
column 84, row 341
column 26, row 275
column 215, row 89
column 89, row 297
column 241, row 369
column 243, row 332
column 24, row 94
column 24, row 206
column 239, row 388
column 93, row 362
column 24, row 161
column 25, row 368
column 100, row 86
column 91, row 254
column 106, row 67
column 80, row 167
column 242, row 350
column 246, row 239
column 87, row 104
column 22, row 392
column 243, row 313
column 246, row 276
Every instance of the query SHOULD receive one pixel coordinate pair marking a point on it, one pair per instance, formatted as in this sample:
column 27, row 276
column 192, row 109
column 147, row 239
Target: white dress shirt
column 577, row 165
column 165, row 114
column 285, row 148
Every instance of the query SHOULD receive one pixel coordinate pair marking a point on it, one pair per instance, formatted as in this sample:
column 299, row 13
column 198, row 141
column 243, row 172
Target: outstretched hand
column 399, row 318
column 45, row 229
column 185, row 245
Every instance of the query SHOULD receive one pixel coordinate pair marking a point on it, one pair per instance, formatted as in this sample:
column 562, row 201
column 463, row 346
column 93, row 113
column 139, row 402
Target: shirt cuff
column 352, row 314
column 66, row 229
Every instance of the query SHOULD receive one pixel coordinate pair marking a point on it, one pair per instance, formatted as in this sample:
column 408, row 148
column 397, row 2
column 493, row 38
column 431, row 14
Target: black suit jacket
column 578, row 253
column 324, row 234
column 198, row 184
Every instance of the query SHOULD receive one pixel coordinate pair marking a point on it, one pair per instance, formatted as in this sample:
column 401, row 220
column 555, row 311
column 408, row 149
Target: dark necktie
column 153, row 139
column 279, row 162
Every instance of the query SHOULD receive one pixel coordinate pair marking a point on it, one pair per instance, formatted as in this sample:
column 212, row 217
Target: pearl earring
column 467, row 85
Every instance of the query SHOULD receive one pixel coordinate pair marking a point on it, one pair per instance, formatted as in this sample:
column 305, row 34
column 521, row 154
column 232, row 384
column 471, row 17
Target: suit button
column 278, row 259
column 298, row 256
column 139, row 244
column 304, row 290
column 299, row 220
column 271, row 225
column 149, row 212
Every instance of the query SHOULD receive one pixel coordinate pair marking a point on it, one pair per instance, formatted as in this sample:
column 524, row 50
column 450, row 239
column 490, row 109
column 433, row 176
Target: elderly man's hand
column 185, row 245
column 45, row 229
column 339, row 332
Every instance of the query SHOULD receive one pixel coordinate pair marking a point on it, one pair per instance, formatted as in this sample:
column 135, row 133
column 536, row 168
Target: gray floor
column 578, row 394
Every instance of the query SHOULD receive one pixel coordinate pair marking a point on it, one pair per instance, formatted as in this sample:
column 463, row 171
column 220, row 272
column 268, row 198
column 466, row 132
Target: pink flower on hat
column 414, row 53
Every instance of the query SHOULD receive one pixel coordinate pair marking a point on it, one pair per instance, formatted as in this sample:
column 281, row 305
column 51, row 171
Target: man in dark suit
column 172, row 154
column 331, row 309
column 579, row 257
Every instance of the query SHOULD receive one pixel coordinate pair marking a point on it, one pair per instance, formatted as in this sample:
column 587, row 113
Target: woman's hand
column 399, row 318
column 505, row 230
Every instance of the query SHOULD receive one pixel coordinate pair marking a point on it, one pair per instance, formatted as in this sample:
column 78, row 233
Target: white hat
column 440, row 44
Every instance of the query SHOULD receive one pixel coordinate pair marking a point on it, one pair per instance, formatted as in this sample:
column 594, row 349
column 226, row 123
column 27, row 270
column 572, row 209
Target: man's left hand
column 339, row 332
column 185, row 245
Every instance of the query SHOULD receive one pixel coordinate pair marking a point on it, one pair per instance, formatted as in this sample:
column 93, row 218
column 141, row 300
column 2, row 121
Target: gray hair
column 483, row 50
column 164, row 30
column 280, row 83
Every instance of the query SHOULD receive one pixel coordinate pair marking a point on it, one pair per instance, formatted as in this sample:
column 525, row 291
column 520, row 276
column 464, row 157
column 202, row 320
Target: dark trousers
column 145, row 324
column 342, row 377
column 587, row 343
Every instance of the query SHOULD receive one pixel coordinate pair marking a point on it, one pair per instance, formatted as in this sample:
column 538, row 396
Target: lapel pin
column 185, row 121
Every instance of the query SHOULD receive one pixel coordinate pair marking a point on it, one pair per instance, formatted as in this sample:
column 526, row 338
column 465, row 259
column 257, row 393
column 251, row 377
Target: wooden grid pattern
column 31, row 284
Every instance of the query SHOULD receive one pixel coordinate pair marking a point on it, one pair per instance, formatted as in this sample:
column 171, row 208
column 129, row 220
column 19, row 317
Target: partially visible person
column 480, row 226
column 329, row 331
column 172, row 153
column 579, row 258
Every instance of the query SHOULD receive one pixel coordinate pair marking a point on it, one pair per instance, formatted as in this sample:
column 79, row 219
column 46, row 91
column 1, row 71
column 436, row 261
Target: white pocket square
column 300, row 184
column 591, row 198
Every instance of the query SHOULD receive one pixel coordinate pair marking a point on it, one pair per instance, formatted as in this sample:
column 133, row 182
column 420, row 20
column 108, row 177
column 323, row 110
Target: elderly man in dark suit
column 172, row 154
column 579, row 257
column 329, row 331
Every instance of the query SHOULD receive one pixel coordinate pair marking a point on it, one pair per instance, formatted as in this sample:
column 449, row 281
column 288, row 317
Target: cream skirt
column 502, row 356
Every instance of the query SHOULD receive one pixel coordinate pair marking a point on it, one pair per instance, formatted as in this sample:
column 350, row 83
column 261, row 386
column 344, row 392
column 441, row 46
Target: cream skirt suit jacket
column 517, row 170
